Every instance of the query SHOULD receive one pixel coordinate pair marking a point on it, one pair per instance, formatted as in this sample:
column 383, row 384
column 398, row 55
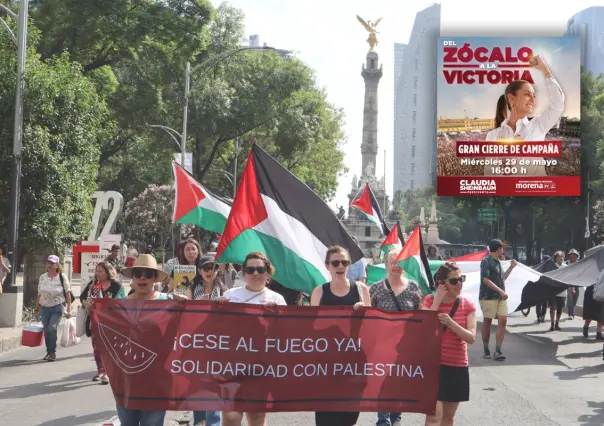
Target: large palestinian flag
column 195, row 205
column 369, row 208
column 414, row 261
column 394, row 240
column 278, row 215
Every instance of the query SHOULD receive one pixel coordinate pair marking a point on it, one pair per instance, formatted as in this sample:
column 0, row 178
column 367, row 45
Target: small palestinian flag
column 394, row 240
column 472, row 257
column 414, row 261
column 195, row 205
column 369, row 208
column 278, row 215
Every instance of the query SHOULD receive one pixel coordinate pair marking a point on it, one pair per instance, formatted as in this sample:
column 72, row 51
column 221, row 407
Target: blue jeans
column 130, row 417
column 387, row 419
column 212, row 418
column 50, row 320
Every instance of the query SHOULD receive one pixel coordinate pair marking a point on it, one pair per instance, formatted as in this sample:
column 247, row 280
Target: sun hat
column 53, row 259
column 573, row 251
column 145, row 261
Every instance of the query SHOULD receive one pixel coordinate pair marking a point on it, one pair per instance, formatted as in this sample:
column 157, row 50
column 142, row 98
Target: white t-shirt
column 3, row 273
column 50, row 290
column 243, row 295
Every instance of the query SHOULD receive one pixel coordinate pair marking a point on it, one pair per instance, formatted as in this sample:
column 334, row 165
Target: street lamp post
column 15, row 187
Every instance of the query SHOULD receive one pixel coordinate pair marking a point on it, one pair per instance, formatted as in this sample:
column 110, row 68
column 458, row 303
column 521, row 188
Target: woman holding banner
column 144, row 274
column 206, row 286
column 257, row 271
column 458, row 317
column 339, row 291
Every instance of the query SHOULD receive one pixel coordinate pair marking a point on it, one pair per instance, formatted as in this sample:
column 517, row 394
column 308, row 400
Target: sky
column 327, row 36
column 561, row 54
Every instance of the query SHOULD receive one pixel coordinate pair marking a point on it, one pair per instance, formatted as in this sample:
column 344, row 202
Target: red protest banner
column 198, row 355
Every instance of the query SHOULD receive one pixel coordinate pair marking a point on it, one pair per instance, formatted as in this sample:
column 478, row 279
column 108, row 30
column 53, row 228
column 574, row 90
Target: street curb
column 10, row 344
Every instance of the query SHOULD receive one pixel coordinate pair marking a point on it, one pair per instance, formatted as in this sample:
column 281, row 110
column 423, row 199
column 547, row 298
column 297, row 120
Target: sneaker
column 498, row 356
column 586, row 332
column 51, row 357
column 552, row 328
column 487, row 355
column 45, row 357
column 557, row 327
column 96, row 378
column 104, row 380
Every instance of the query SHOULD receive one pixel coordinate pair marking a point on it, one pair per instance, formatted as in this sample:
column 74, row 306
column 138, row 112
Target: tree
column 64, row 124
column 148, row 216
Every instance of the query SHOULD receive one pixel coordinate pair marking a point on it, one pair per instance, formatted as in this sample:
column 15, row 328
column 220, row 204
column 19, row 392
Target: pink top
column 453, row 351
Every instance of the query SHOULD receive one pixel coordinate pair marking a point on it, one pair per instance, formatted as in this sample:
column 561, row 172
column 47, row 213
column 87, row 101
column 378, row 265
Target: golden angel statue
column 371, row 28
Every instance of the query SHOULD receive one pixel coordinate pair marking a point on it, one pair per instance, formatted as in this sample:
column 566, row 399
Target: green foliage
column 64, row 122
column 148, row 216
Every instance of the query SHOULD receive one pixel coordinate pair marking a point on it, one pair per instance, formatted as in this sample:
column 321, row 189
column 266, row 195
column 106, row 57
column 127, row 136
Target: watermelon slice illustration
column 128, row 355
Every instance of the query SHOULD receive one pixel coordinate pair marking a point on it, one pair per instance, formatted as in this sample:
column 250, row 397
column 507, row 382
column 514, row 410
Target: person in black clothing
column 292, row 297
column 339, row 291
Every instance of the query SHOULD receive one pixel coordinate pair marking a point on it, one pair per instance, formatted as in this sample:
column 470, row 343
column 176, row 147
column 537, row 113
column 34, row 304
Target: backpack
column 599, row 288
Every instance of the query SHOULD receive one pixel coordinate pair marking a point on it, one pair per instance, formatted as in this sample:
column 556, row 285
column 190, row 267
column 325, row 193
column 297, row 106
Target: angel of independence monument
column 367, row 233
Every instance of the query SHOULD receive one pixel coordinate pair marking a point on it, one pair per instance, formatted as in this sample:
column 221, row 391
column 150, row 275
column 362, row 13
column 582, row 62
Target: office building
column 415, row 110
column 255, row 40
column 589, row 25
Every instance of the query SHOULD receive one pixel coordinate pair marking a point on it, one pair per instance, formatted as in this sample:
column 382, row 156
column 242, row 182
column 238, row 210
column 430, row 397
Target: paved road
column 548, row 379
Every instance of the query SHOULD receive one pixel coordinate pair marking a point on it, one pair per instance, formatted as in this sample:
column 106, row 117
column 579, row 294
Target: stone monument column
column 372, row 73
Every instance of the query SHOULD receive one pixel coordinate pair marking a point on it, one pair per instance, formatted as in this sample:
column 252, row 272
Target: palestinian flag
column 278, row 215
column 195, row 205
column 394, row 240
column 414, row 261
column 472, row 257
column 369, row 207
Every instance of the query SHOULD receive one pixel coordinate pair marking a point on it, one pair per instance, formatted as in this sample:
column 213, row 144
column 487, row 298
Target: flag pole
column 385, row 212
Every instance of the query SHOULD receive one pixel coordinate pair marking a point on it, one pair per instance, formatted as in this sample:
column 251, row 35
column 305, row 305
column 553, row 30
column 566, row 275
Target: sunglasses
column 143, row 272
column 251, row 269
column 454, row 281
column 209, row 267
column 336, row 263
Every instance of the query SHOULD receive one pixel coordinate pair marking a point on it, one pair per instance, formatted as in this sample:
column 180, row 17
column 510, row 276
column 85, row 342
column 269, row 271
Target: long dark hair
column 182, row 259
column 502, row 103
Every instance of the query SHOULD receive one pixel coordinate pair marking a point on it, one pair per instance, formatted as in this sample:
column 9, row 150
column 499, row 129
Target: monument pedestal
column 11, row 306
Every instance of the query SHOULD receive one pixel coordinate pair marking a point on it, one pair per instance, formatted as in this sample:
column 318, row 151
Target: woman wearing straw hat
column 144, row 274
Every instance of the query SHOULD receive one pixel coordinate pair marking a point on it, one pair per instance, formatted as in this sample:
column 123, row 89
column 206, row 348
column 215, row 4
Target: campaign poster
column 508, row 116
column 183, row 278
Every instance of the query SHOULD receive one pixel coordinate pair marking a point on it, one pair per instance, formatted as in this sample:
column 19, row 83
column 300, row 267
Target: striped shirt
column 453, row 350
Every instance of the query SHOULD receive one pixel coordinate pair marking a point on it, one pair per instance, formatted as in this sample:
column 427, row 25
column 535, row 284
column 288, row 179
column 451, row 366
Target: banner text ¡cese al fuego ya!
column 202, row 356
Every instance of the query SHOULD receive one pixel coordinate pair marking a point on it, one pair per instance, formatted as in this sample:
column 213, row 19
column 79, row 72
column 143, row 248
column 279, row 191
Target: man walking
column 493, row 298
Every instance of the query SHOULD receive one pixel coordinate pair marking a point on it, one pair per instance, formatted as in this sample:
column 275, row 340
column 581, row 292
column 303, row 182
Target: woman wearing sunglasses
column 144, row 274
column 343, row 292
column 206, row 286
column 257, row 271
column 458, row 318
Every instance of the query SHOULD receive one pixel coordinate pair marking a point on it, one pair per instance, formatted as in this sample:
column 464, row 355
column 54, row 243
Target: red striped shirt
column 453, row 350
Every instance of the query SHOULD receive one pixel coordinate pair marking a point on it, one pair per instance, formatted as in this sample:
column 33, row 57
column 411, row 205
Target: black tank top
column 328, row 298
